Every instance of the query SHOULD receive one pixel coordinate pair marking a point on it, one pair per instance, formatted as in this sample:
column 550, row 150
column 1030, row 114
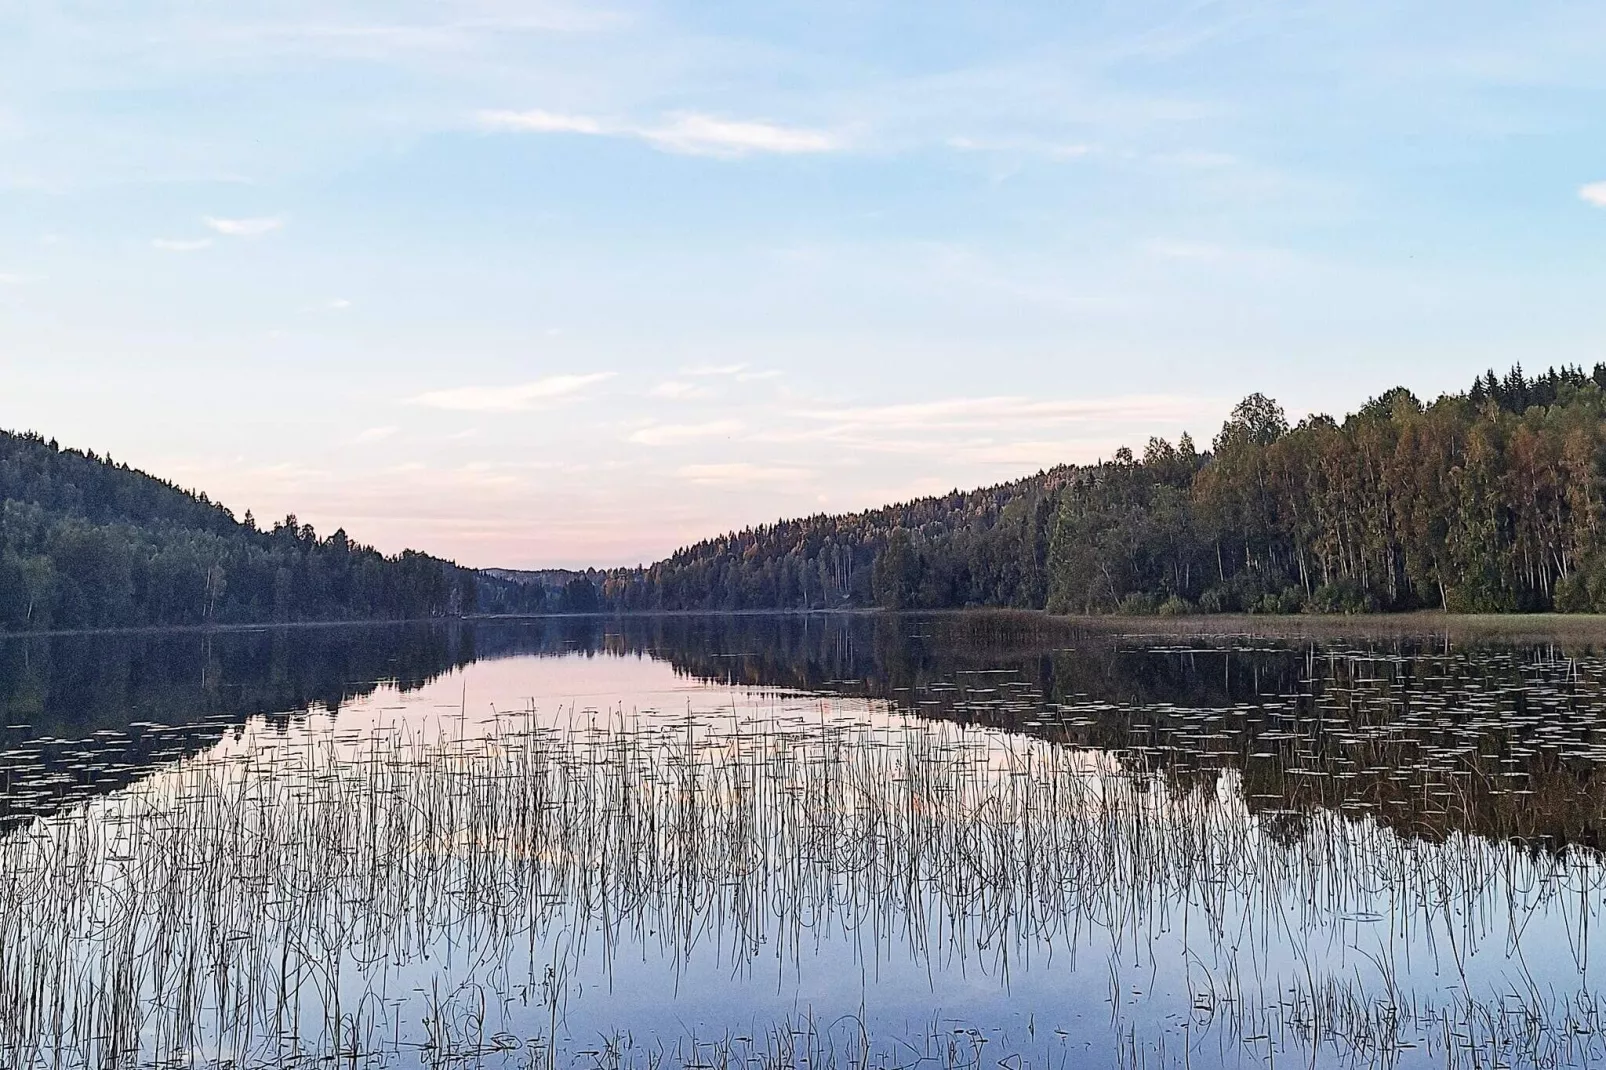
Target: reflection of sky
column 560, row 282
column 719, row 982
column 1354, row 910
column 575, row 690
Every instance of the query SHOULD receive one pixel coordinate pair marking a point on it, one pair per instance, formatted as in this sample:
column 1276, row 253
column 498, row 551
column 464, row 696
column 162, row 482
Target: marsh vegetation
column 847, row 841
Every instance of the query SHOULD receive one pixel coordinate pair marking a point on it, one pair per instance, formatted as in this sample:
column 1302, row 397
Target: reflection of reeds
column 319, row 899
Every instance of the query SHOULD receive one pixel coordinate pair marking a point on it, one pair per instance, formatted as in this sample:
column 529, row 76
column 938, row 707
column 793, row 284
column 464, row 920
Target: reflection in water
column 84, row 714
column 961, row 840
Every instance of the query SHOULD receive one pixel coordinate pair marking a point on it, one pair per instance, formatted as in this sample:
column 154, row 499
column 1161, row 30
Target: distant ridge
column 553, row 579
column 552, row 590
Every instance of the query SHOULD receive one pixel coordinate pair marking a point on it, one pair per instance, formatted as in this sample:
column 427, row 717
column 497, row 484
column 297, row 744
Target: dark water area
column 960, row 839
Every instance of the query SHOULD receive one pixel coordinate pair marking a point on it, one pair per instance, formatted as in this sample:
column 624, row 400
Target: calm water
column 949, row 841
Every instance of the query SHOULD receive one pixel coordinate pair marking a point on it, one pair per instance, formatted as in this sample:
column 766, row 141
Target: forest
column 89, row 543
column 1488, row 500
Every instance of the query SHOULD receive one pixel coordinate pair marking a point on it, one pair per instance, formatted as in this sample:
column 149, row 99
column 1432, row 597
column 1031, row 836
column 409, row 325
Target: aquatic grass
column 317, row 896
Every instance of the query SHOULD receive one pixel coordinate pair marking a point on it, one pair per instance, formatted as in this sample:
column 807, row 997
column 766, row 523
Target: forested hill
column 1488, row 500
column 1002, row 533
column 86, row 542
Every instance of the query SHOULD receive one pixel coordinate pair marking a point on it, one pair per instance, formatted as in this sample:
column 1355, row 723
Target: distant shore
column 1419, row 623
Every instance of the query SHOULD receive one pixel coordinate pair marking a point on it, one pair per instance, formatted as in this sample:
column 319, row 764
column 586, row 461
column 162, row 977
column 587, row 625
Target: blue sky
column 549, row 284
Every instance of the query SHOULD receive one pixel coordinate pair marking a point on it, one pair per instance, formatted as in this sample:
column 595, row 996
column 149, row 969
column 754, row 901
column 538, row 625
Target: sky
column 547, row 284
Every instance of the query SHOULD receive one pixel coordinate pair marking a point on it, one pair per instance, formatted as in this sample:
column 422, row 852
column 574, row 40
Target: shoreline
column 1420, row 623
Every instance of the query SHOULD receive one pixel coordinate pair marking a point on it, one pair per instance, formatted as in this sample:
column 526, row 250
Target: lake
column 963, row 840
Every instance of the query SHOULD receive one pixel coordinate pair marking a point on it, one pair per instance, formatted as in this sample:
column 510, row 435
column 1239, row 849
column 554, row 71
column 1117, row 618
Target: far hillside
column 89, row 543
column 548, row 590
column 822, row 562
column 1488, row 500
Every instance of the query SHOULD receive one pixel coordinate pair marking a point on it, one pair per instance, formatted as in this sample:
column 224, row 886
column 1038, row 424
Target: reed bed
column 309, row 898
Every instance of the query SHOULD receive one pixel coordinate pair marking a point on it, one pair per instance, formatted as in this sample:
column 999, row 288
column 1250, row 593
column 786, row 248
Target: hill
column 550, row 590
column 995, row 544
column 86, row 542
column 1490, row 500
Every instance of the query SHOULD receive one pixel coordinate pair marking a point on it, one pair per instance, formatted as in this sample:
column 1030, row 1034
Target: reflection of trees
column 1376, row 726
column 1373, row 726
column 91, row 713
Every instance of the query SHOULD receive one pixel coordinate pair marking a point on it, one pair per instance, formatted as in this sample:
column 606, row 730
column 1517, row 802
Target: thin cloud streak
column 686, row 133
column 519, row 397
column 537, row 121
column 1011, row 411
column 704, row 135
column 245, row 228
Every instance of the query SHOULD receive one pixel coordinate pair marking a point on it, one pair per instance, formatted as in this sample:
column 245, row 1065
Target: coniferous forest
column 1489, row 500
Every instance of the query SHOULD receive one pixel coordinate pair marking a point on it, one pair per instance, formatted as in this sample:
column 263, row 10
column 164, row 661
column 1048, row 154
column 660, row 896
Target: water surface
column 956, row 840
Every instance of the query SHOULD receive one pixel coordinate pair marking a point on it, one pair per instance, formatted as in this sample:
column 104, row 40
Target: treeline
column 985, row 547
column 1490, row 500
column 89, row 543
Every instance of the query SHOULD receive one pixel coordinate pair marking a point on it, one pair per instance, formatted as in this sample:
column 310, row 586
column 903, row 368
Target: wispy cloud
column 705, row 135
column 688, row 133
column 245, row 228
column 1002, row 430
column 376, row 434
column 181, row 245
column 1038, row 453
column 988, row 412
column 675, row 390
column 1594, row 193
column 8, row 278
column 714, row 369
column 537, row 121
column 515, row 398
column 741, row 473
column 670, row 434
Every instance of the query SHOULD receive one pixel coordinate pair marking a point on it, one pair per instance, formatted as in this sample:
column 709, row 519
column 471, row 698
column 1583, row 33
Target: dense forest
column 88, row 543
column 1490, row 500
